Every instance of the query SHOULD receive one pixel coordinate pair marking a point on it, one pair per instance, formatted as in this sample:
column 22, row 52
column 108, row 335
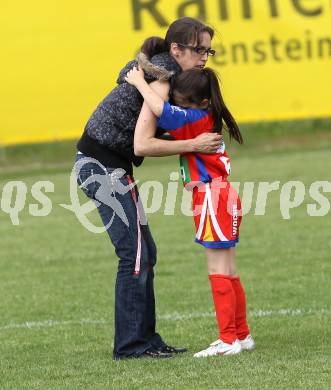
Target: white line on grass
column 255, row 313
column 165, row 317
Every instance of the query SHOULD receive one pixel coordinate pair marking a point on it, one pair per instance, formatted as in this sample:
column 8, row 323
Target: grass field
column 57, row 280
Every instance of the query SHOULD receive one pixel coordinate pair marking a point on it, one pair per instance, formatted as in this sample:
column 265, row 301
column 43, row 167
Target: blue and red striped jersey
column 185, row 124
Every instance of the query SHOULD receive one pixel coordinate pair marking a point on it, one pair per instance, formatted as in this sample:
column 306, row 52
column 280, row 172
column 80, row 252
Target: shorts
column 217, row 214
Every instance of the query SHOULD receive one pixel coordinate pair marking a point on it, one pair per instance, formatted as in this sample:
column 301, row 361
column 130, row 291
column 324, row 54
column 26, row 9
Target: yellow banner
column 60, row 58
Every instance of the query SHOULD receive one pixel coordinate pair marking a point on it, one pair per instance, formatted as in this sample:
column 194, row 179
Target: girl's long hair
column 196, row 85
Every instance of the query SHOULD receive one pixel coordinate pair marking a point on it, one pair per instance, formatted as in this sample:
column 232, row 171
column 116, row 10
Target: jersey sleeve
column 174, row 117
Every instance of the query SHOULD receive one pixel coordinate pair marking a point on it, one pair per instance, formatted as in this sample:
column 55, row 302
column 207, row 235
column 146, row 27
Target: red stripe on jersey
column 193, row 129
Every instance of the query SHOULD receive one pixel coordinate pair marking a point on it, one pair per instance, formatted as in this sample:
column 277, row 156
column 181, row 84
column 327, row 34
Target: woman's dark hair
column 184, row 30
column 153, row 46
column 196, row 85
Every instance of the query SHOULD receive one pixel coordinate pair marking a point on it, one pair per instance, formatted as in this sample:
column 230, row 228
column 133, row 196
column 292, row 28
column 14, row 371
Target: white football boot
column 248, row 343
column 218, row 347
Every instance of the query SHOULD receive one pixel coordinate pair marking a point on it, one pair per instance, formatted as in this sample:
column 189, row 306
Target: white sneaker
column 218, row 347
column 248, row 343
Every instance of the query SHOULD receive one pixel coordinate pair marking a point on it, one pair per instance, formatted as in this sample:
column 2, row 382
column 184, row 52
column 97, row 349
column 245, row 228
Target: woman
column 108, row 140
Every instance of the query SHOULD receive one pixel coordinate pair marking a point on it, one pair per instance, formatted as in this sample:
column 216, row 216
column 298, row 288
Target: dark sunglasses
column 199, row 49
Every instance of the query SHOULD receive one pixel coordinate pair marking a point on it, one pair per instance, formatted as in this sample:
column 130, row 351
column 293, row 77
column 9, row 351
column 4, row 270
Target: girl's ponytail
column 153, row 46
column 221, row 112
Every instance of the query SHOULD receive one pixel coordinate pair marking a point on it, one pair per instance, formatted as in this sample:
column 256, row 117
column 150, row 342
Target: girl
column 217, row 209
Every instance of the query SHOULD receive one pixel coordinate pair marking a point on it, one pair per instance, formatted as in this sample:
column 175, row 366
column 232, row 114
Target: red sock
column 241, row 321
column 225, row 304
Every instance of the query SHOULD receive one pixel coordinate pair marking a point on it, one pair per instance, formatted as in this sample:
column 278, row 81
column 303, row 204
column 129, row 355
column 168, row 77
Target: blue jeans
column 136, row 250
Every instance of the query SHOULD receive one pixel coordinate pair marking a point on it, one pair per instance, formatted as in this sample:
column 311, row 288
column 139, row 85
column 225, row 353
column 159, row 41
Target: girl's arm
column 136, row 78
column 145, row 143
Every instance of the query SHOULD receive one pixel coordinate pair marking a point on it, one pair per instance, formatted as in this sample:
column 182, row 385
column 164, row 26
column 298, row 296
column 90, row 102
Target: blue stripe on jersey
column 217, row 244
column 174, row 117
column 204, row 175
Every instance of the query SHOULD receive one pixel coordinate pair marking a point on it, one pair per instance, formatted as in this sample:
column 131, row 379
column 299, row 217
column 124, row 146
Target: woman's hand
column 206, row 143
column 135, row 76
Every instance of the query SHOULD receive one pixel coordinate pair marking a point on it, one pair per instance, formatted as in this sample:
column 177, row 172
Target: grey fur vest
column 113, row 122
